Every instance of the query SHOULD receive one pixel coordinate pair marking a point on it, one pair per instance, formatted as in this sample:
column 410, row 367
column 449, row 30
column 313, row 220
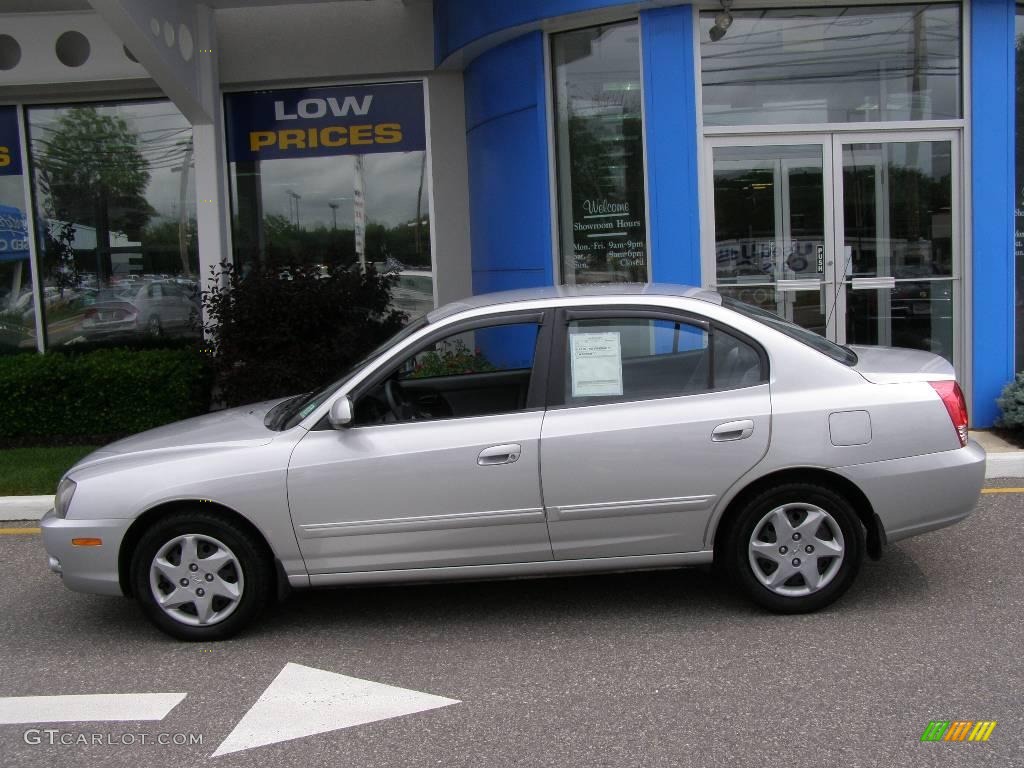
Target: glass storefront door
column 853, row 236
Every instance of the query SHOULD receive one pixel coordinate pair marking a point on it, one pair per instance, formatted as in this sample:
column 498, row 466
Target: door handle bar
column 499, row 454
column 733, row 430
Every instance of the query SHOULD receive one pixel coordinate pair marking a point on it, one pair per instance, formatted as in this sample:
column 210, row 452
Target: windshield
column 840, row 354
column 289, row 413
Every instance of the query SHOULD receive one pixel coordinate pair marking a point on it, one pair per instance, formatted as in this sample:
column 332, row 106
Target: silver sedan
column 537, row 433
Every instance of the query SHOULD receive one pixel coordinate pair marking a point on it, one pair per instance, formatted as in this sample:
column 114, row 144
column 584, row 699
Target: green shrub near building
column 62, row 398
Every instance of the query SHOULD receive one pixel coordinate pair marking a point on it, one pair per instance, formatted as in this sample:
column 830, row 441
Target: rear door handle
column 499, row 454
column 733, row 430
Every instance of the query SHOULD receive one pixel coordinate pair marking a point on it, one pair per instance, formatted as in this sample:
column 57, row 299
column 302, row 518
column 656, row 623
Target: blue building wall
column 992, row 173
column 457, row 23
column 507, row 147
column 510, row 210
column 670, row 125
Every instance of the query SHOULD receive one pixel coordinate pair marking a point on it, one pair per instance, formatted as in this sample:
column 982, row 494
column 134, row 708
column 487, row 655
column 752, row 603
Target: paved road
column 656, row 669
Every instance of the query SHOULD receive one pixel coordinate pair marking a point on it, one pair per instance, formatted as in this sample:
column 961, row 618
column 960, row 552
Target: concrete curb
column 1004, row 464
column 24, row 507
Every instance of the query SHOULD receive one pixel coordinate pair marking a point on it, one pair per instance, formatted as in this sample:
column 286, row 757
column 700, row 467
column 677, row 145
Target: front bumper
column 921, row 493
column 84, row 569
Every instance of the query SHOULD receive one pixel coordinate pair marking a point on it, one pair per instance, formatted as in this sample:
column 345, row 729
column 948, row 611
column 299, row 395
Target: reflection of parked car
column 153, row 308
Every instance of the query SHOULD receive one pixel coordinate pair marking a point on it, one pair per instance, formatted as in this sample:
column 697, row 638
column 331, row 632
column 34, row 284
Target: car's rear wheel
column 795, row 548
column 199, row 577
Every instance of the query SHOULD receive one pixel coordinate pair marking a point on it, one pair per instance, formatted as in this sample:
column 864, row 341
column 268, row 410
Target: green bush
column 62, row 397
column 285, row 329
column 1011, row 404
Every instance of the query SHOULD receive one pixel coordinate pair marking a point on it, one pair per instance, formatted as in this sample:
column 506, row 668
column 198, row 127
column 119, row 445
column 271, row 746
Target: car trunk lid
column 895, row 365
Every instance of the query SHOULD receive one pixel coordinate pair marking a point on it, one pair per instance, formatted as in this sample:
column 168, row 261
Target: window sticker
column 596, row 364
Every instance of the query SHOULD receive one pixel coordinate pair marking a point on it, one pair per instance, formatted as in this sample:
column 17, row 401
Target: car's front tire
column 200, row 577
column 795, row 548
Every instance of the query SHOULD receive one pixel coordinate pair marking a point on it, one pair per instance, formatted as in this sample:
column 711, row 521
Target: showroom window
column 334, row 177
column 599, row 154
column 17, row 303
column 116, row 222
column 851, row 64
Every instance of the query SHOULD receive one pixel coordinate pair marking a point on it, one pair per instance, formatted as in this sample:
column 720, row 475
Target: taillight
column 953, row 398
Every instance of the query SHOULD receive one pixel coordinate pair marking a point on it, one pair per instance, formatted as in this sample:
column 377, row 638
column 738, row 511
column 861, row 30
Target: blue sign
column 323, row 122
column 10, row 146
column 13, row 234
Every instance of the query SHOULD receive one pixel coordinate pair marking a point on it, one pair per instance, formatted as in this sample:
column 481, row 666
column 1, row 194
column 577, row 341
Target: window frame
column 556, row 371
column 536, row 394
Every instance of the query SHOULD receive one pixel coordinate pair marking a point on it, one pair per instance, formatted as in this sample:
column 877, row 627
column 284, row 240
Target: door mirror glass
column 341, row 413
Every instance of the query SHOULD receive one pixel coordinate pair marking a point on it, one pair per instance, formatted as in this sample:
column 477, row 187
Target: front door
column 441, row 465
column 855, row 236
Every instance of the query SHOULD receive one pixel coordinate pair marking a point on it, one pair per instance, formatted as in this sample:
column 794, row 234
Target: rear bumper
column 921, row 493
column 84, row 569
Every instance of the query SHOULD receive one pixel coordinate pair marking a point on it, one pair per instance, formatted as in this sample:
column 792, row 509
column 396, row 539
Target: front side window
column 831, row 65
column 623, row 359
column 479, row 372
column 115, row 213
column 599, row 151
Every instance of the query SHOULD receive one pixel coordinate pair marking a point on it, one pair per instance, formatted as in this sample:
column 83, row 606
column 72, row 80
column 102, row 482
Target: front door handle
column 733, row 430
column 499, row 454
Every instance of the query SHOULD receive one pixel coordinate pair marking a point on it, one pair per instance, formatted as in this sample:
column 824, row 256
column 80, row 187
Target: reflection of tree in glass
column 92, row 172
column 286, row 243
column 451, row 358
column 607, row 164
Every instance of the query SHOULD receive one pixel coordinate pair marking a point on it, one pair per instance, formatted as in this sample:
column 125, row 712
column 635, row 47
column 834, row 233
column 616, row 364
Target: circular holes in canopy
column 168, row 34
column 73, row 49
column 10, row 52
column 185, row 44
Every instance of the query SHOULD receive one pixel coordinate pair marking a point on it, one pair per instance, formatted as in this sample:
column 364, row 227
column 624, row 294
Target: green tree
column 92, row 171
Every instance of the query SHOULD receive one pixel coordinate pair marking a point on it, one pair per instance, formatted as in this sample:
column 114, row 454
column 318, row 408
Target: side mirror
column 341, row 413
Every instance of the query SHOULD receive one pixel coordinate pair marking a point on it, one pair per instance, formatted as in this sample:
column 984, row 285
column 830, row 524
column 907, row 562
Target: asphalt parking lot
column 666, row 668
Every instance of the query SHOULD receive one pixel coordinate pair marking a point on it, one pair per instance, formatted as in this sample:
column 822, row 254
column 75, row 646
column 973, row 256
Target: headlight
column 62, row 501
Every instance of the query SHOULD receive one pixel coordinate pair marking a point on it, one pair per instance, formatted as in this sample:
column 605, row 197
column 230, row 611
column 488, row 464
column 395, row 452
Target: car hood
column 894, row 365
column 242, row 426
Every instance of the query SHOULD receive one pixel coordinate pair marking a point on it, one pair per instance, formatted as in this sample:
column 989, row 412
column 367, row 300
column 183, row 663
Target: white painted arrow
column 303, row 701
column 86, row 708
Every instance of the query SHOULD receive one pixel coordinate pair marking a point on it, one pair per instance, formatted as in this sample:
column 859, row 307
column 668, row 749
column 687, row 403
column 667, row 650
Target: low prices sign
column 10, row 154
column 323, row 122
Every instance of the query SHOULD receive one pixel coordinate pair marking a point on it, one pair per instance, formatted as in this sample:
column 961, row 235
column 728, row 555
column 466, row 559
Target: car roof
column 605, row 290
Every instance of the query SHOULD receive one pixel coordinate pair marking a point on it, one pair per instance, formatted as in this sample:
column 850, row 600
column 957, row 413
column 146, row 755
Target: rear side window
column 840, row 354
column 641, row 359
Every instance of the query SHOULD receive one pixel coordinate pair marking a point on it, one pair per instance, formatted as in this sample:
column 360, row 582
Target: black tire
column 257, row 573
column 737, row 559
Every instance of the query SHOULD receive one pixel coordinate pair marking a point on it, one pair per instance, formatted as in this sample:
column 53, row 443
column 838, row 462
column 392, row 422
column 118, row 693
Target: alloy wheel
column 796, row 549
column 196, row 580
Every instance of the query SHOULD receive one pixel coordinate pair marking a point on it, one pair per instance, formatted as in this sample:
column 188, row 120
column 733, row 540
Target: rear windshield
column 843, row 355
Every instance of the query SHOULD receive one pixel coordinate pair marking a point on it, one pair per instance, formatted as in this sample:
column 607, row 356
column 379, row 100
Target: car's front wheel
column 795, row 548
column 199, row 577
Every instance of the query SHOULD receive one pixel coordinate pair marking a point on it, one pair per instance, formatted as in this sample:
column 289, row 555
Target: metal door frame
column 832, row 144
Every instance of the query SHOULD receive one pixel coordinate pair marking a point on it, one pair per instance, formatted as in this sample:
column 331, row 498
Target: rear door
column 652, row 417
